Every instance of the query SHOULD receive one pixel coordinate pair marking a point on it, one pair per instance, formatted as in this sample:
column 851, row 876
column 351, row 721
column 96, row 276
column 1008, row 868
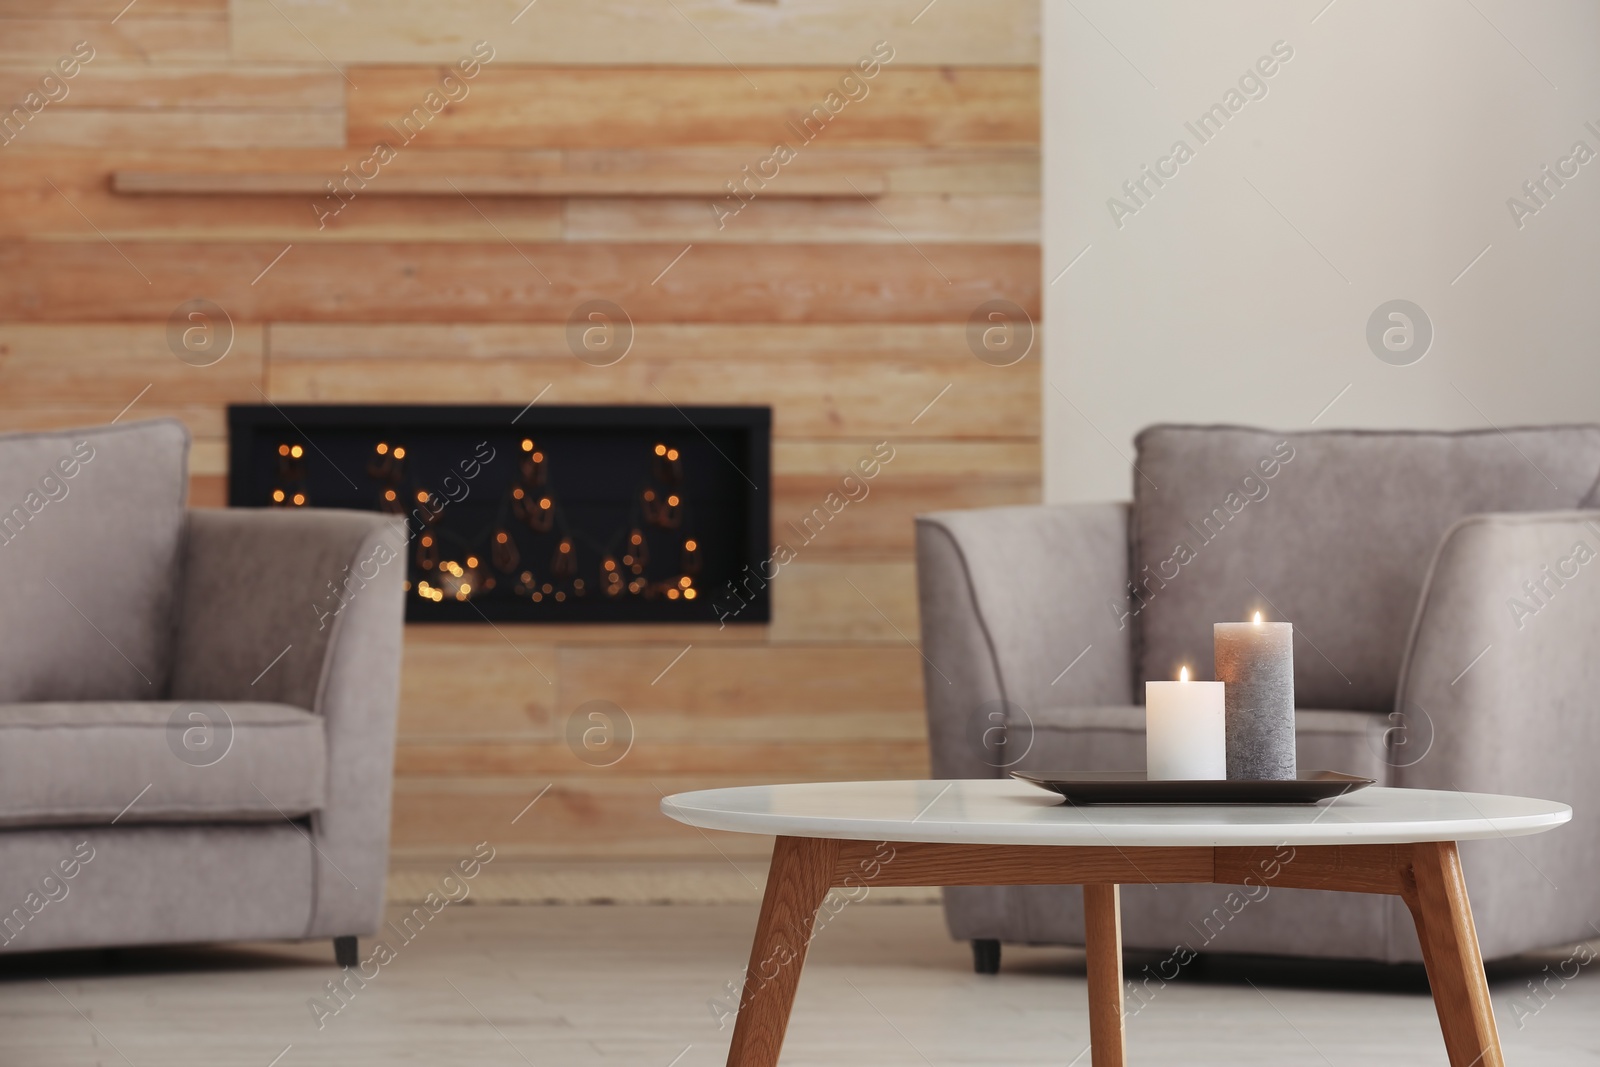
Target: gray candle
column 1255, row 664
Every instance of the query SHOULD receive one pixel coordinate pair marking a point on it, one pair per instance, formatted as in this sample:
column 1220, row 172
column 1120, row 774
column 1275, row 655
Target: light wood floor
column 613, row 985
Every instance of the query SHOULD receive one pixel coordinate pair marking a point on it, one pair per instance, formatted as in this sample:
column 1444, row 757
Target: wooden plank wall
column 847, row 315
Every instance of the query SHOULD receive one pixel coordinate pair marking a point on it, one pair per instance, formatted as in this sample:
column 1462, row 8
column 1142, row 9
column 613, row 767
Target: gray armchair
column 197, row 708
column 1445, row 590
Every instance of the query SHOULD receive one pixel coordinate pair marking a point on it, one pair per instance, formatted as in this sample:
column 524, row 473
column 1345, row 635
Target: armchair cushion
column 150, row 761
column 1332, row 531
column 91, row 525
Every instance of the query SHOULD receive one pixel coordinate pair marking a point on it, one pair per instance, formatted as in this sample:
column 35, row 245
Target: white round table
column 1004, row 832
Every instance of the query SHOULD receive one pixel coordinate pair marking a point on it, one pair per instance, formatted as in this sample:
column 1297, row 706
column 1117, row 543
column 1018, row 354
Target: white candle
column 1185, row 730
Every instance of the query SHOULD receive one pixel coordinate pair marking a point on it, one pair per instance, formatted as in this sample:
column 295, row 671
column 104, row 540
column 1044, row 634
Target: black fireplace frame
column 247, row 421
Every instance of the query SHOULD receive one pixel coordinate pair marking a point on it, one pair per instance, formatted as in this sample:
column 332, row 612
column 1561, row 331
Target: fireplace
column 541, row 514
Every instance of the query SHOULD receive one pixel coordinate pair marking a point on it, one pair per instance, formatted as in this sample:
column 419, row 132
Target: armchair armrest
column 305, row 608
column 1009, row 598
column 1500, row 688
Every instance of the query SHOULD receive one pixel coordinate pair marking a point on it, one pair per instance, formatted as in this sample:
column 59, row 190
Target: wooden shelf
column 681, row 185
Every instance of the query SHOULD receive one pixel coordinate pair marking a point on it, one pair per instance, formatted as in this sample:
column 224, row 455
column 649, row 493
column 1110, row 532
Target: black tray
column 1131, row 787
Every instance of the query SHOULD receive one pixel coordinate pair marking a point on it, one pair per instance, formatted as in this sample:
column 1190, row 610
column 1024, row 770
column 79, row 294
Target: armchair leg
column 986, row 956
column 346, row 951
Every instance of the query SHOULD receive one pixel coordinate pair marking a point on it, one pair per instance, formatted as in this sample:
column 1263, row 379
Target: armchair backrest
column 91, row 523
column 1330, row 530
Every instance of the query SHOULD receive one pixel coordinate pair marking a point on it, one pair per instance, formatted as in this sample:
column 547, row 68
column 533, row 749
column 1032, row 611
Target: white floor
column 637, row 985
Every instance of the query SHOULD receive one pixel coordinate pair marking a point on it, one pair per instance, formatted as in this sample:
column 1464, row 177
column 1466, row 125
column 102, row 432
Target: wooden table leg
column 1450, row 952
column 1102, row 931
column 800, row 876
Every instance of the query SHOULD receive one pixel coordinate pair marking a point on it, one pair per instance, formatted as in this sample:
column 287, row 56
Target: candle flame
column 1183, row 674
column 1258, row 618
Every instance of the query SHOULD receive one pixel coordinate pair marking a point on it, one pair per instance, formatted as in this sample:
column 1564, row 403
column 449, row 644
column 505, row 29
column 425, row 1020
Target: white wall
column 1391, row 141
